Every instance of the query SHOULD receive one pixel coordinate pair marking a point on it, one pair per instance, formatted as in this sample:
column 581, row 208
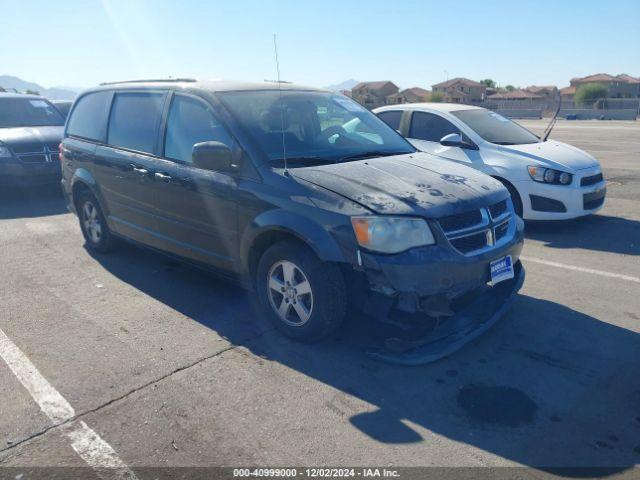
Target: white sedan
column 548, row 180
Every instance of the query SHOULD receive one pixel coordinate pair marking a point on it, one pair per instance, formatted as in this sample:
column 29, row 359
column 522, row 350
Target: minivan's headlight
column 5, row 152
column 549, row 175
column 391, row 234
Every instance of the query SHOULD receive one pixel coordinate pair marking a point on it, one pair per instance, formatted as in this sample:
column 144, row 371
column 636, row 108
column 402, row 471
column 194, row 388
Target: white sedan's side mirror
column 455, row 140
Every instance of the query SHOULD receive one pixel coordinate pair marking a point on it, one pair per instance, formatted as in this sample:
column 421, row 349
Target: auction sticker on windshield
column 501, row 269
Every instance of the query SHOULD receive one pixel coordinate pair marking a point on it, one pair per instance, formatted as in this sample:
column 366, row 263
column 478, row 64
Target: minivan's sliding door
column 125, row 167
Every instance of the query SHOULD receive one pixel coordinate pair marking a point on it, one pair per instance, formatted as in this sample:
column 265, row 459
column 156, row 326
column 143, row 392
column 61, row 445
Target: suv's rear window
column 89, row 117
column 134, row 120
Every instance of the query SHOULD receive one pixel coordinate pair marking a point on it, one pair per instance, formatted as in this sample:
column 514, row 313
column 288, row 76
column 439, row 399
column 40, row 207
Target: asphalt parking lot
column 172, row 367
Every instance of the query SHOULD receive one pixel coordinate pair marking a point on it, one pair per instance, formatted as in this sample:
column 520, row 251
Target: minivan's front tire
column 304, row 297
column 94, row 227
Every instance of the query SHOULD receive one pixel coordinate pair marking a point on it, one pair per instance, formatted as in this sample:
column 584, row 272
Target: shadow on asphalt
column 31, row 202
column 547, row 387
column 594, row 232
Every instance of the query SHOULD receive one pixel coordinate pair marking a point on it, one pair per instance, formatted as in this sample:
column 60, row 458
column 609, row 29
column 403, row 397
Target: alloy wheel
column 91, row 222
column 290, row 293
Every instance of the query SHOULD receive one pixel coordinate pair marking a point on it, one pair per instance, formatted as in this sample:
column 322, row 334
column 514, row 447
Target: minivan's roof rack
column 152, row 80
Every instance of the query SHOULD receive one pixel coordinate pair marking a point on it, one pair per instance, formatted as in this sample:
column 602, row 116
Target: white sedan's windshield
column 495, row 128
column 312, row 127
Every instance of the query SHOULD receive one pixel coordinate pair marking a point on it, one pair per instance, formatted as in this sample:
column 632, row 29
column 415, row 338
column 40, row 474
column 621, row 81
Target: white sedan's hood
column 552, row 154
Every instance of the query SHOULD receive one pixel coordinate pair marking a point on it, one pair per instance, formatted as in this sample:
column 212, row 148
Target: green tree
column 436, row 97
column 487, row 82
column 2, row 89
column 590, row 93
column 510, row 88
column 32, row 92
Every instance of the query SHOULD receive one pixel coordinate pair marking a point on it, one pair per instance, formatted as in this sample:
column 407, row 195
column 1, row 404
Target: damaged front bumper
column 435, row 299
column 450, row 334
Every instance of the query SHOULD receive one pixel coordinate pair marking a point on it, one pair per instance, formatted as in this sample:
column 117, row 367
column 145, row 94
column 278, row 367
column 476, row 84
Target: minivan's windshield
column 28, row 112
column 312, row 127
column 495, row 128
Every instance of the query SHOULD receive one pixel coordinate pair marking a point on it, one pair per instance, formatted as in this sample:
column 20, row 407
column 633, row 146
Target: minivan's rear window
column 89, row 116
column 135, row 117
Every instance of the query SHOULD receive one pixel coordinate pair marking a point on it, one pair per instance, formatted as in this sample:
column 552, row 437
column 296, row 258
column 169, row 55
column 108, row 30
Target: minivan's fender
column 82, row 176
column 281, row 221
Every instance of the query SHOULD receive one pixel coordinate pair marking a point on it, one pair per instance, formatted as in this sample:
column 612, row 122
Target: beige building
column 373, row 94
column 619, row 86
column 567, row 93
column 461, row 90
column 549, row 92
column 409, row 95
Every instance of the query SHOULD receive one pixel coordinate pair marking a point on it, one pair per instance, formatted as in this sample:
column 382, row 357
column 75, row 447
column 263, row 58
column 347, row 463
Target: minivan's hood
column 553, row 154
column 413, row 184
column 16, row 136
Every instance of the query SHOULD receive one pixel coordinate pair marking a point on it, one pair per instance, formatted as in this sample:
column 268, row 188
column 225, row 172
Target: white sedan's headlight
column 549, row 175
column 391, row 234
column 5, row 152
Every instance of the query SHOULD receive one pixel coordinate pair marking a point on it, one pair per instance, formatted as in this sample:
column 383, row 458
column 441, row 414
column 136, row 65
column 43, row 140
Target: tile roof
column 540, row 88
column 597, row 77
column 567, row 91
column 459, row 80
column 373, row 85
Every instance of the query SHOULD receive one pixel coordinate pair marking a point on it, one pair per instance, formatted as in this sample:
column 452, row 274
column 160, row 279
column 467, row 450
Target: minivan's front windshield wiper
column 370, row 154
column 303, row 161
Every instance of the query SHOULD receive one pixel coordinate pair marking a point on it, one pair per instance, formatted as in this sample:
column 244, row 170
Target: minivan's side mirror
column 213, row 156
column 455, row 140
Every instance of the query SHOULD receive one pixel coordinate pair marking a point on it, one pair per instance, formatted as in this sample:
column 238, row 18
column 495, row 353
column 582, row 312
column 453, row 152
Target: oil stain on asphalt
column 501, row 406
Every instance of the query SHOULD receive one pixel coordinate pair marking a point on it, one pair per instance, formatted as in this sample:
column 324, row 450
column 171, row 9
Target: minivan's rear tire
column 94, row 227
column 304, row 297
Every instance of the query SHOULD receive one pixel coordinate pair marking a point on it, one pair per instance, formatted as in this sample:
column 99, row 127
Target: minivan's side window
column 191, row 121
column 135, row 117
column 89, row 117
column 430, row 127
column 391, row 118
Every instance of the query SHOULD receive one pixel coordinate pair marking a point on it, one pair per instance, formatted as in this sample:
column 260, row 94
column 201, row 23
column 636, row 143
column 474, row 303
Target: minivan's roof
column 210, row 85
column 440, row 107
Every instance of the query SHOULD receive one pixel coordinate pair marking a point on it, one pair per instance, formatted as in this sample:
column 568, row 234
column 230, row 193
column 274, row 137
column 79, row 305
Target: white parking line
column 88, row 445
column 628, row 278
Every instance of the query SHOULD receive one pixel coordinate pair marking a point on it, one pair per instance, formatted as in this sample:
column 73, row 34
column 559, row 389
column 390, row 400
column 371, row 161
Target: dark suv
column 301, row 194
column 30, row 133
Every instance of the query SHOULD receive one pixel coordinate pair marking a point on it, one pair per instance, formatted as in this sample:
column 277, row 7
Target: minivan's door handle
column 142, row 171
column 162, row 176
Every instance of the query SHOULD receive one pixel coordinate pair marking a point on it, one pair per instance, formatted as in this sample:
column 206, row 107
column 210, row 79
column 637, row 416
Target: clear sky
column 414, row 43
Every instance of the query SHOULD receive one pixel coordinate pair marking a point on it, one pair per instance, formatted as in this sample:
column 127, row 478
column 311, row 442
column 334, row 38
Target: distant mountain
column 53, row 93
column 346, row 85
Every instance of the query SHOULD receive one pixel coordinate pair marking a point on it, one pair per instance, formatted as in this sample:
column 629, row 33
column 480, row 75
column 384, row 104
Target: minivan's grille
column 471, row 243
column 502, row 230
column 591, row 180
column 33, row 158
column 479, row 230
column 498, row 209
column 33, row 153
column 27, row 148
column 460, row 221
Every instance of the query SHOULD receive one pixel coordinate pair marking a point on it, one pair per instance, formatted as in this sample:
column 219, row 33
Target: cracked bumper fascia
column 455, row 332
